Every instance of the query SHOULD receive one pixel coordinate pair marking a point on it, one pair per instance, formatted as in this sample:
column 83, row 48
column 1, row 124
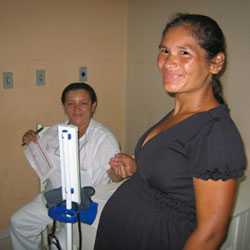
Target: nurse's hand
column 123, row 165
column 29, row 136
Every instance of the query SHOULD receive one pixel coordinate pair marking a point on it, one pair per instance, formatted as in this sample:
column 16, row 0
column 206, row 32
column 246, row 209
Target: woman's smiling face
column 78, row 107
column 182, row 62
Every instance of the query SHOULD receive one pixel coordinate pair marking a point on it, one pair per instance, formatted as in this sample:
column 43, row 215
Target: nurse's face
column 79, row 107
column 182, row 62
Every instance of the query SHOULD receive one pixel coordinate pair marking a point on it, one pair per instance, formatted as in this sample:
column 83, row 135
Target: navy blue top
column 155, row 208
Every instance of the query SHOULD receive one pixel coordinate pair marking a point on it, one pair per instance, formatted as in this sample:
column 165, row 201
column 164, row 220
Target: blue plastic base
column 62, row 214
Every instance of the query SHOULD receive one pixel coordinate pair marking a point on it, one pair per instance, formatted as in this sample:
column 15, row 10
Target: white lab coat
column 96, row 148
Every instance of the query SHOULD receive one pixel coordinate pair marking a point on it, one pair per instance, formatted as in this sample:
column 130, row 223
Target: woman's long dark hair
column 210, row 38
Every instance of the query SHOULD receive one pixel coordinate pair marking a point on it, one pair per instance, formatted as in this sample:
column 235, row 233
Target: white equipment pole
column 69, row 159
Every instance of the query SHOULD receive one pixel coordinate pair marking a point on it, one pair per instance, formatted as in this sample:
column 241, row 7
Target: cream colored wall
column 59, row 36
column 146, row 101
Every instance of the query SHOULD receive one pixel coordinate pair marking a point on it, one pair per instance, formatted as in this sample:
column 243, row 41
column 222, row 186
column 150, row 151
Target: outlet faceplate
column 83, row 74
column 40, row 77
column 8, row 80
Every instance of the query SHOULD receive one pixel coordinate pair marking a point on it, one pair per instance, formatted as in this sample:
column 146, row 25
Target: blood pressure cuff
column 54, row 197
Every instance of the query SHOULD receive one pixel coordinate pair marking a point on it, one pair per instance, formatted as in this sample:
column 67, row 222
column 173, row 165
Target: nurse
column 97, row 145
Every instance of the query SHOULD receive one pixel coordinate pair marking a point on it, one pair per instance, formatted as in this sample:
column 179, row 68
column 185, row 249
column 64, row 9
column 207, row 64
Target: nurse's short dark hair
column 79, row 86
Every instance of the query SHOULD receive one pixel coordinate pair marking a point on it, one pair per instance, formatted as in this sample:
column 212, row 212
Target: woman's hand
column 122, row 166
column 29, row 136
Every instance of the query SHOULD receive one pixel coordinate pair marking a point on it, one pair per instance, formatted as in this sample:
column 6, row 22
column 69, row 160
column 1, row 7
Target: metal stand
column 69, row 158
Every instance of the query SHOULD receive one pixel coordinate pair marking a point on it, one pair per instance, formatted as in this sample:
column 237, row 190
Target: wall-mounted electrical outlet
column 83, row 74
column 40, row 77
column 8, row 80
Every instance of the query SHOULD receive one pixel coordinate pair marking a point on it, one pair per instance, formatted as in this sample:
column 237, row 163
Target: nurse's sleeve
column 107, row 147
